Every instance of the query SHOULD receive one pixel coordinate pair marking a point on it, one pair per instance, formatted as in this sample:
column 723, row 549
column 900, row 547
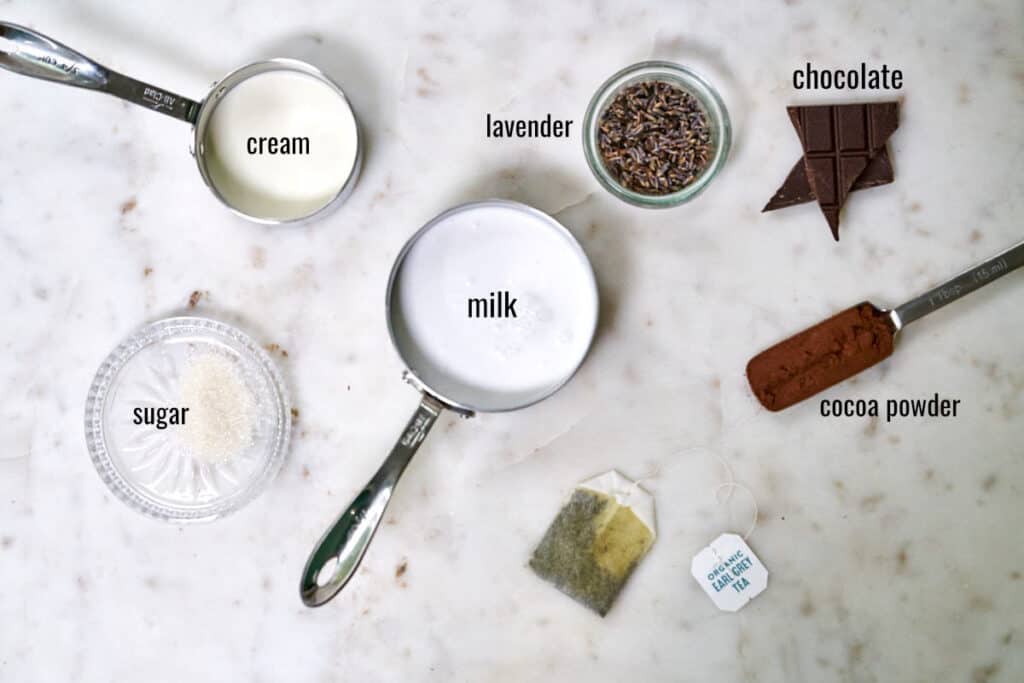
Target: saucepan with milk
column 276, row 141
column 492, row 307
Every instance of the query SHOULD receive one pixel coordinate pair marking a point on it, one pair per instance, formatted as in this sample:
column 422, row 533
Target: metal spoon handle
column 29, row 53
column 972, row 279
column 346, row 541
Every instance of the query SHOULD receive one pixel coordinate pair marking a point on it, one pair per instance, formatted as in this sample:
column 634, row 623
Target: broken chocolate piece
column 839, row 141
column 797, row 189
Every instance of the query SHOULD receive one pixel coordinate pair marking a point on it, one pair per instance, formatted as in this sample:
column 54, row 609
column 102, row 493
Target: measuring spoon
column 857, row 338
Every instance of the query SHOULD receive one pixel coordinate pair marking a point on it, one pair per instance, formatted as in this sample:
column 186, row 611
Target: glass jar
column 707, row 97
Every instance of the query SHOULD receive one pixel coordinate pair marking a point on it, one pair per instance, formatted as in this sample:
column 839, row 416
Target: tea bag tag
column 729, row 572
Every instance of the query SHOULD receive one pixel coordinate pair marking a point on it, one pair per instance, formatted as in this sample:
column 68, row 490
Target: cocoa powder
column 821, row 356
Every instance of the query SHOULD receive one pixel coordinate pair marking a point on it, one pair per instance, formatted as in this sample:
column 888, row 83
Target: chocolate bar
column 797, row 188
column 839, row 142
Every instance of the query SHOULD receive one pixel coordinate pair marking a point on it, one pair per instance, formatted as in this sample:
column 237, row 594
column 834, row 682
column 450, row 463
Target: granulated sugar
column 222, row 415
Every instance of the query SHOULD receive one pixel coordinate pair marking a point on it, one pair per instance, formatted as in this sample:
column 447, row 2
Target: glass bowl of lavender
column 655, row 134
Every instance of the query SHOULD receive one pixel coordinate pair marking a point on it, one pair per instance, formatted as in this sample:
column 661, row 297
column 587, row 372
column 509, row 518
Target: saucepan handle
column 30, row 53
column 341, row 549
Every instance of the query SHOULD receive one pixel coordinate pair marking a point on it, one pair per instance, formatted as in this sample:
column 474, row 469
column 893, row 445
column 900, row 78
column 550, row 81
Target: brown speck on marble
column 305, row 471
column 980, row 603
column 870, row 503
column 1008, row 638
column 267, row 583
column 975, row 236
column 856, row 652
column 366, row 610
column 128, row 205
column 151, row 582
column 649, row 322
column 716, row 382
column 989, row 483
column 424, row 92
column 295, row 413
column 871, row 428
column 1015, row 575
column 275, row 348
column 258, row 257
column 194, row 297
column 985, row 674
column 963, row 93
column 147, row 271
column 401, row 569
column 432, row 38
column 425, row 75
column 902, row 559
column 807, row 608
column 914, row 207
column 6, row 542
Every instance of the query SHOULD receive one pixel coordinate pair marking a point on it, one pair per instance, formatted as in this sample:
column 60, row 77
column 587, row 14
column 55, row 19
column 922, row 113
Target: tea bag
column 597, row 540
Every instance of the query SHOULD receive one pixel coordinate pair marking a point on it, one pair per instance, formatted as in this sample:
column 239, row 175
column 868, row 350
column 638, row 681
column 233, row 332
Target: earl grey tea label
column 729, row 572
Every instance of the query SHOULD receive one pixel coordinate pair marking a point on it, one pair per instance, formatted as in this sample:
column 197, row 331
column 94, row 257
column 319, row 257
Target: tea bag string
column 732, row 485
column 635, row 484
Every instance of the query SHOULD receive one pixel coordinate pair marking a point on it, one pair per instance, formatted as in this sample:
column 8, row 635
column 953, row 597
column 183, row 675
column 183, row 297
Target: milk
column 280, row 144
column 504, row 362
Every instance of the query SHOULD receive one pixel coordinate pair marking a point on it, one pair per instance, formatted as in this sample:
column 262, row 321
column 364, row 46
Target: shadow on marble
column 125, row 37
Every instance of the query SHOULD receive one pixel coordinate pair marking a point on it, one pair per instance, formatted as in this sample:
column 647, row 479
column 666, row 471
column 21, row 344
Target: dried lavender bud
column 654, row 138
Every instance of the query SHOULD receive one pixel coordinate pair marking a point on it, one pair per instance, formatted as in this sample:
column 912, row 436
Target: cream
column 281, row 144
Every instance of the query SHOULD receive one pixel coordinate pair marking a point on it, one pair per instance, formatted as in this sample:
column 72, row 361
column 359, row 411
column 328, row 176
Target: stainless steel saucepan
column 340, row 550
column 24, row 51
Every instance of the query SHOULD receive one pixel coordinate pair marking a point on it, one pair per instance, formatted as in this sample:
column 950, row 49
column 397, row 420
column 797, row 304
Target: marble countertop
column 894, row 548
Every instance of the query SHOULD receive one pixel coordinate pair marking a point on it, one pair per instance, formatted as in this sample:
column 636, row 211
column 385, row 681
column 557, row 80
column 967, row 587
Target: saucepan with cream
column 492, row 307
column 276, row 141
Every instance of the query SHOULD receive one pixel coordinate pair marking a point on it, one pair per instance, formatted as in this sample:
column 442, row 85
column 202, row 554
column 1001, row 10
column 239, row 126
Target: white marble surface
column 894, row 548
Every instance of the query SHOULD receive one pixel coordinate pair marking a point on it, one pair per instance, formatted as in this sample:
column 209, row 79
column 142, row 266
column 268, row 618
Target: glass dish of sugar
column 187, row 420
